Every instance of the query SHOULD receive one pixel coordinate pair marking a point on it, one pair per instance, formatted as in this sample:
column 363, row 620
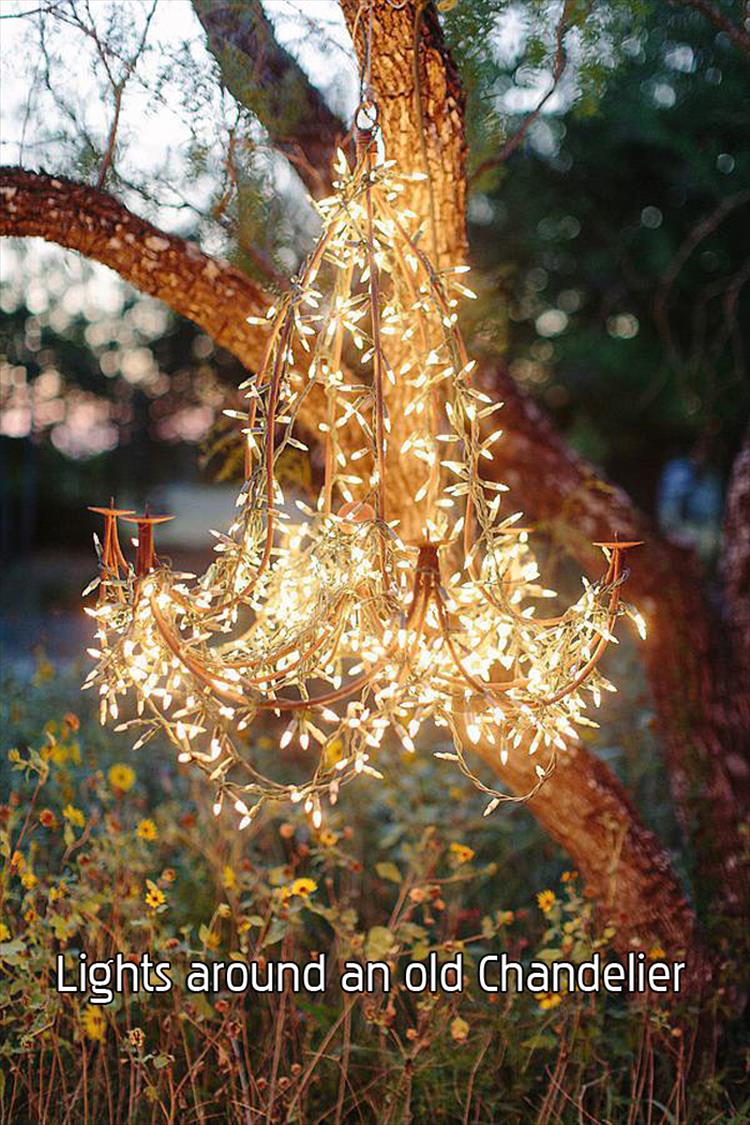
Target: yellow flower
column 547, row 1000
column 459, row 1030
column 56, row 893
column 228, row 878
column 569, row 876
column 656, row 953
column 303, row 888
column 328, row 838
column 462, row 852
column 146, row 830
column 211, row 940
column 546, row 900
column 121, row 777
column 4, row 932
column 29, row 880
column 74, row 815
column 154, row 896
column 94, row 1023
column 333, row 752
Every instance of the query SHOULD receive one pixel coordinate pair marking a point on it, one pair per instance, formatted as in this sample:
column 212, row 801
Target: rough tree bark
column 210, row 292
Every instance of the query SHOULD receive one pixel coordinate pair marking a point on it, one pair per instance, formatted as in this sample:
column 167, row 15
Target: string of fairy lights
column 323, row 619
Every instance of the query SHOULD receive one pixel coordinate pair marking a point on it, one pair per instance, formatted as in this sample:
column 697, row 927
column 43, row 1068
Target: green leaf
column 389, row 871
column 540, row 1042
column 378, row 943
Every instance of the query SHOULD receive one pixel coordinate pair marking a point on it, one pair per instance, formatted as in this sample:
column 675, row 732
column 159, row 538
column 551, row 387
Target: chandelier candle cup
column 341, row 626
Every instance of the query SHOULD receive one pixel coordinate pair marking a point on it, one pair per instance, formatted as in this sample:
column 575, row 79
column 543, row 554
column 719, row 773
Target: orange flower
column 462, row 852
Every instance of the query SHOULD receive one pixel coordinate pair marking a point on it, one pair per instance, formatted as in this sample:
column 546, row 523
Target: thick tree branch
column 212, row 293
column 265, row 78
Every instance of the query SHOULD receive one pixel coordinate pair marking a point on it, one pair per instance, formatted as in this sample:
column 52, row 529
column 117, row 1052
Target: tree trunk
column 582, row 806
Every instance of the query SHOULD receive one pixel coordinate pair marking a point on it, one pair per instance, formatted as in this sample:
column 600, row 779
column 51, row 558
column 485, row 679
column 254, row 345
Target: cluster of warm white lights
column 330, row 621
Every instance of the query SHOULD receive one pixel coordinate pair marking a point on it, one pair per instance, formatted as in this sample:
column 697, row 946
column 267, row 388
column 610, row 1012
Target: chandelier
column 333, row 619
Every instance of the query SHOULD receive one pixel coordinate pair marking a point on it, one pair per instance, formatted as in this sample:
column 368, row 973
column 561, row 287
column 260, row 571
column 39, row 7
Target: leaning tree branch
column 265, row 78
column 211, row 292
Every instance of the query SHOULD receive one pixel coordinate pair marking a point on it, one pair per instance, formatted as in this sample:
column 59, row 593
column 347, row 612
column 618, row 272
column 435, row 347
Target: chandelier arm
column 274, row 704
column 485, row 690
column 434, row 478
column 498, row 794
column 377, row 370
column 331, row 395
column 603, row 642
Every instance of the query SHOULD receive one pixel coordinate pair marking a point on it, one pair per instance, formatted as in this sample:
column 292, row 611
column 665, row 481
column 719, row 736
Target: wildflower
column 302, row 888
column 211, row 939
column 74, row 815
column 121, row 777
column 17, row 862
column 94, row 1023
column 136, row 1038
column 328, row 838
column 546, row 900
column 656, row 953
column 506, row 917
column 333, row 752
column 45, row 670
column 286, row 831
column 71, row 720
column 56, row 893
column 146, row 830
column 29, row 880
column 4, row 932
column 459, row 1030
column 569, row 876
column 47, row 818
column 228, row 878
column 168, row 875
column 30, row 916
column 547, row 1000
column 462, row 852
column 154, row 896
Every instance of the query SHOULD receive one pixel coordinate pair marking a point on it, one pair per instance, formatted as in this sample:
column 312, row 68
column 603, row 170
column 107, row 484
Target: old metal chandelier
column 333, row 622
